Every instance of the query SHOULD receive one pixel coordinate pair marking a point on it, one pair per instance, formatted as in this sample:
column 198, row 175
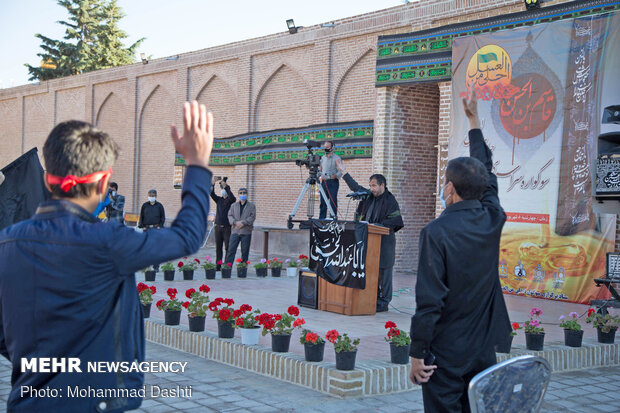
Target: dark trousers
column 330, row 186
column 222, row 237
column 235, row 239
column 446, row 391
column 384, row 292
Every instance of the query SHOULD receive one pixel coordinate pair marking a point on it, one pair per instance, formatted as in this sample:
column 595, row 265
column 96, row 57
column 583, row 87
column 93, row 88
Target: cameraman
column 114, row 210
column 379, row 208
column 329, row 178
column 222, row 226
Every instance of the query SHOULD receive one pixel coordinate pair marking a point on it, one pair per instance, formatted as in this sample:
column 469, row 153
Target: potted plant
column 171, row 308
column 197, row 307
column 399, row 343
column 281, row 327
column 242, row 268
column 224, row 316
column 606, row 326
column 276, row 267
column 573, row 334
column 226, row 269
column 314, row 345
column 345, row 347
column 168, row 269
column 209, row 267
column 261, row 268
column 292, row 266
column 247, row 321
column 149, row 273
column 146, row 298
column 534, row 334
column 188, row 267
column 304, row 261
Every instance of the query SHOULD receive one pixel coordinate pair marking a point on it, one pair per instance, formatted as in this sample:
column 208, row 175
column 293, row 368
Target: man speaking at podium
column 379, row 207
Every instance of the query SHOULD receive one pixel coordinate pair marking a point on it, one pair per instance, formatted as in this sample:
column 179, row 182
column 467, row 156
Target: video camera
column 312, row 161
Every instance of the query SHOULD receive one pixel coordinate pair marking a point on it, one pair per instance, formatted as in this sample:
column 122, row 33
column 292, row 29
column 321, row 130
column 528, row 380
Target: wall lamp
column 291, row 26
column 532, row 4
column 144, row 59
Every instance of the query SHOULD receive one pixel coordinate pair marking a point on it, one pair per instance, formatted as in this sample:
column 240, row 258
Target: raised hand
column 471, row 111
column 197, row 141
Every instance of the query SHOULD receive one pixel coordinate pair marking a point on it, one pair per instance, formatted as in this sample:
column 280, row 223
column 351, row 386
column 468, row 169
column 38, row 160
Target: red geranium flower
column 197, row 260
column 213, row 306
column 237, row 313
column 332, row 335
column 190, row 292
column 204, row 288
column 218, row 300
column 247, row 262
column 298, row 322
column 390, row 324
column 229, row 301
column 269, row 324
column 159, row 303
column 224, row 314
column 278, row 317
column 141, row 287
column 219, row 262
column 239, row 322
column 180, row 264
column 294, row 311
column 245, row 307
column 153, row 289
column 186, row 304
column 172, row 293
column 591, row 311
column 515, row 326
column 229, row 264
column 312, row 337
column 238, row 260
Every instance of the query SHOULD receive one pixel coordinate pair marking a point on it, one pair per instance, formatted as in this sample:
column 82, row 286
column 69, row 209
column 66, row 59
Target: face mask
column 152, row 199
column 441, row 198
column 243, row 197
column 328, row 150
column 113, row 193
column 224, row 193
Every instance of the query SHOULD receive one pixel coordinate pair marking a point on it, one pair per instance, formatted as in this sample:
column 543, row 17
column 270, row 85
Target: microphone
column 363, row 194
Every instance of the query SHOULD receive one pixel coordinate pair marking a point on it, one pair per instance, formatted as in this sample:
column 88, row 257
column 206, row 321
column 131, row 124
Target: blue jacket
column 67, row 289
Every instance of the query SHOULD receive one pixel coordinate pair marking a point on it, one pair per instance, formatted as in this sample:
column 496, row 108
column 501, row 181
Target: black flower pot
column 169, row 275
column 188, row 275
column 226, row 272
column 399, row 354
column 196, row 323
column 534, row 342
column 210, row 274
column 149, row 275
column 504, row 347
column 314, row 352
column 172, row 317
column 345, row 360
column 280, row 343
column 572, row 338
column 242, row 272
column 261, row 272
column 275, row 272
column 225, row 329
column 146, row 310
column 606, row 338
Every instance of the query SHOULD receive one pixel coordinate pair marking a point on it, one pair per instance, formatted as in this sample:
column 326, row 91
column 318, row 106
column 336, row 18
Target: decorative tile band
column 370, row 377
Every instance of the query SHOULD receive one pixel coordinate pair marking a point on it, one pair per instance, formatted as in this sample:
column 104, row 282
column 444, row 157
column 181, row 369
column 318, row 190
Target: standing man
column 222, row 226
column 152, row 214
column 329, row 178
column 241, row 217
column 82, row 272
column 460, row 311
column 380, row 208
column 114, row 210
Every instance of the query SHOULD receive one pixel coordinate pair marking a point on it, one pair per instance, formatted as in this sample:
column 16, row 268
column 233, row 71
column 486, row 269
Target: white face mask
column 224, row 193
column 113, row 193
column 152, row 199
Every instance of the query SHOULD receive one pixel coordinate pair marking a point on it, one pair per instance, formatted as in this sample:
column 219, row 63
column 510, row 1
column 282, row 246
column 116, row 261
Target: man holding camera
column 114, row 210
column 222, row 225
column 329, row 178
column 380, row 208
column 460, row 311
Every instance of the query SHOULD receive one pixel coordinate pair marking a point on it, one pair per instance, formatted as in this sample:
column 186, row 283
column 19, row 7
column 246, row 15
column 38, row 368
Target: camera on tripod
column 312, row 161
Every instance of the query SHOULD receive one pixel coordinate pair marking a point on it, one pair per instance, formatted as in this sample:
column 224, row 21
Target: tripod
column 311, row 183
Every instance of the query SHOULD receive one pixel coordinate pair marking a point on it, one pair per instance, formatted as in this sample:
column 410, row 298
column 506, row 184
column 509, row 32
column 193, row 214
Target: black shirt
column 152, row 214
column 223, row 205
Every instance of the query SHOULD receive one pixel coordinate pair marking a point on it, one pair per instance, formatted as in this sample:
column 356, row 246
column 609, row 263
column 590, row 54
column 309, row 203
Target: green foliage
column 167, row 267
column 92, row 41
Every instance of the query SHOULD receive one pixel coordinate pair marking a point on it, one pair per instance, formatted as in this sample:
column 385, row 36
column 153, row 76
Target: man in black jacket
column 222, row 226
column 152, row 214
column 380, row 208
column 460, row 310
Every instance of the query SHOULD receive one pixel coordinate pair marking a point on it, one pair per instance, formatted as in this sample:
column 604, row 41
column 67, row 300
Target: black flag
column 23, row 189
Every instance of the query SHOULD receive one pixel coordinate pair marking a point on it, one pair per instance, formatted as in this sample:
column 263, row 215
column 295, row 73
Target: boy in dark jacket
column 67, row 288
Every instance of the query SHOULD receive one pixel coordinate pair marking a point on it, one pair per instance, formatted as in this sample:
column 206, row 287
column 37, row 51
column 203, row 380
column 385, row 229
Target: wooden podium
column 354, row 301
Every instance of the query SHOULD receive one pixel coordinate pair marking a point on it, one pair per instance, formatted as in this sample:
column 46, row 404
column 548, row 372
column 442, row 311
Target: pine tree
column 92, row 41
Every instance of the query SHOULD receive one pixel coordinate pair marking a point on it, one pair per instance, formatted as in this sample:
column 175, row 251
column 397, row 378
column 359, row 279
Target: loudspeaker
column 308, row 290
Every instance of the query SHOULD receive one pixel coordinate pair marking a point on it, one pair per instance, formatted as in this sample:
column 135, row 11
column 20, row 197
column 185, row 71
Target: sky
column 171, row 27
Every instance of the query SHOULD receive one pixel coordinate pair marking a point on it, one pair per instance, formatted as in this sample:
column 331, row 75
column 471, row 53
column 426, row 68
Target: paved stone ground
column 220, row 388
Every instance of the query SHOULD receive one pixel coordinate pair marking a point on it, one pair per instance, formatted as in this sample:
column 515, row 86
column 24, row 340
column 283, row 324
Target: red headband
column 69, row 181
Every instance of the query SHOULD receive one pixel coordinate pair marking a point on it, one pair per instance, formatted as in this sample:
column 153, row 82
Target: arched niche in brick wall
column 355, row 96
column 220, row 99
column 112, row 118
column 155, row 152
column 284, row 101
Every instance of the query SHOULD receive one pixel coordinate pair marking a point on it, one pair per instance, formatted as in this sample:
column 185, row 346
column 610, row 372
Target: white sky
column 170, row 26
